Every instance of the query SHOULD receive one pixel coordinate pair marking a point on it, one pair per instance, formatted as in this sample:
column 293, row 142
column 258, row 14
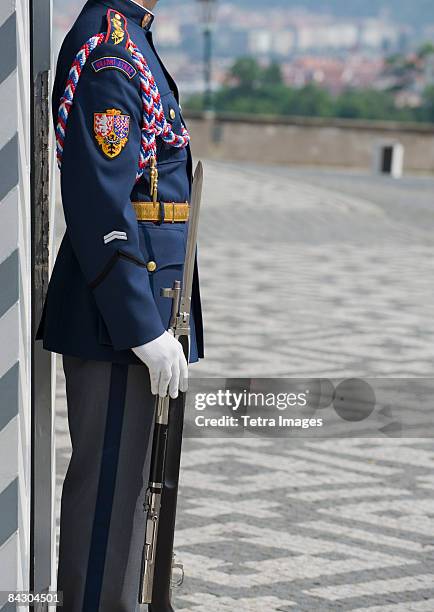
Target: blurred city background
column 305, row 57
column 317, row 260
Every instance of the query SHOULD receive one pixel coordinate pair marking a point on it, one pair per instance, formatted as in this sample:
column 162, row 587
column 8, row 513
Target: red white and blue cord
column 154, row 120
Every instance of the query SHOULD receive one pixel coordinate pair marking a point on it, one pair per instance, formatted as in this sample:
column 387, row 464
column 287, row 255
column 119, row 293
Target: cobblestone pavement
column 309, row 274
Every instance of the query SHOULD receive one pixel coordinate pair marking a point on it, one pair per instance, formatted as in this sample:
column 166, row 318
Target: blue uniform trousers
column 102, row 526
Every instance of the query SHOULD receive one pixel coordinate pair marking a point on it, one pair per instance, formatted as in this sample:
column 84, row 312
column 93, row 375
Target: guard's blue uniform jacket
column 102, row 300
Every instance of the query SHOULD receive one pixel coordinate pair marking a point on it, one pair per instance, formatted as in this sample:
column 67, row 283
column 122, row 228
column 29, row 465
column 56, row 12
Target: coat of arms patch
column 112, row 129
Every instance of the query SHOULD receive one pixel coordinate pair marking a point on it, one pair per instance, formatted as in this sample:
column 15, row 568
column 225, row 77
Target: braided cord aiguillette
column 154, row 120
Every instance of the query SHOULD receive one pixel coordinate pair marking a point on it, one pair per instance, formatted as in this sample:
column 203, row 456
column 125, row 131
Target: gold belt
column 174, row 212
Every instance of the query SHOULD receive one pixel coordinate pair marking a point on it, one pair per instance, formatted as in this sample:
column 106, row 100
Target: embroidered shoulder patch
column 114, row 63
column 117, row 32
column 111, row 129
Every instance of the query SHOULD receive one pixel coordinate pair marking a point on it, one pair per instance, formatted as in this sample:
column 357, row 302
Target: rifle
column 158, row 561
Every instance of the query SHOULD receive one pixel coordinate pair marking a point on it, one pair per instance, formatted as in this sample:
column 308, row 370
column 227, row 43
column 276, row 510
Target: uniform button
column 172, row 113
column 152, row 266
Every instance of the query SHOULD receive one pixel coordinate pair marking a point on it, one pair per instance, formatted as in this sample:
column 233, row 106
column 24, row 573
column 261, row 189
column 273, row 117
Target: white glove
column 166, row 363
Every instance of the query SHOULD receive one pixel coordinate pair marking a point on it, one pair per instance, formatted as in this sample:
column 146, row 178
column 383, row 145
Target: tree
column 246, row 72
column 272, row 75
column 366, row 104
column 428, row 104
column 255, row 90
column 425, row 50
column 309, row 101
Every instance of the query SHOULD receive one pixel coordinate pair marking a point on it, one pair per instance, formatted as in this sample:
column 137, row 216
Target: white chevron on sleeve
column 115, row 235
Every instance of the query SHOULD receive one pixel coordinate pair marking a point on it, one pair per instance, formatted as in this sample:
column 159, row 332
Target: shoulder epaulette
column 117, row 29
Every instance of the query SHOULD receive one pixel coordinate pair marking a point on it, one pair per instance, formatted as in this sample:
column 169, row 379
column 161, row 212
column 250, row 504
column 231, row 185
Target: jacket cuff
column 126, row 303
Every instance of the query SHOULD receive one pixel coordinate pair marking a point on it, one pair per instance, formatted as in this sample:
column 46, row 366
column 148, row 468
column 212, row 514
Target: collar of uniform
column 131, row 10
